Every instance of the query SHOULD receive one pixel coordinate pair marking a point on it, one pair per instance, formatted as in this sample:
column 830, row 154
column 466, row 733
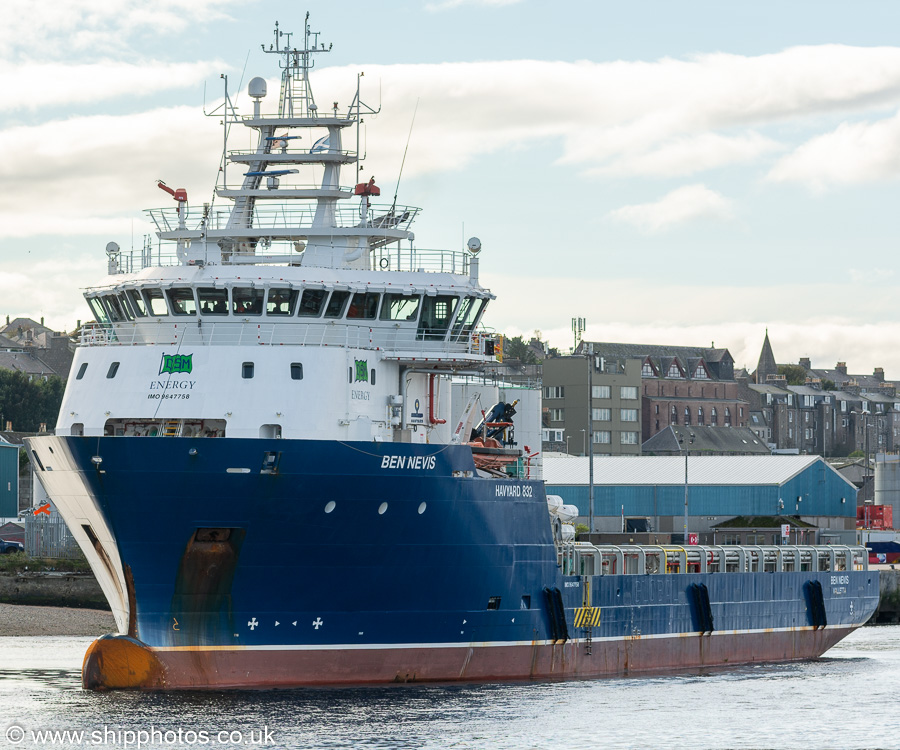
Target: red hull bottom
column 115, row 662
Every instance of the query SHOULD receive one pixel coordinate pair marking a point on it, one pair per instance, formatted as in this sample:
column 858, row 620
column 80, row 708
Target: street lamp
column 685, row 449
column 865, row 415
column 583, row 443
column 567, row 444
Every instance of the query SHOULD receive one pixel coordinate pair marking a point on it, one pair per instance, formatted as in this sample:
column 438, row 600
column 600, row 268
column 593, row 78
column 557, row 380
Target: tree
column 29, row 402
column 794, row 374
column 517, row 348
column 827, row 385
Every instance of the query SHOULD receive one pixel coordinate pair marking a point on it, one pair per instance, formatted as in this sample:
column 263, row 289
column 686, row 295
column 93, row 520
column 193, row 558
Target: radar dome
column 256, row 89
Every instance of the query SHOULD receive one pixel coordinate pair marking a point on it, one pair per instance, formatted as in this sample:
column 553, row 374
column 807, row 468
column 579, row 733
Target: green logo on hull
column 176, row 363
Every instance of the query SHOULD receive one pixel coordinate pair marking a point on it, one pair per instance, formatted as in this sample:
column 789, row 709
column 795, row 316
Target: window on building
column 656, row 407
column 554, row 391
column 628, row 438
column 808, row 433
column 673, row 372
column 700, row 415
column 713, row 416
column 674, row 418
column 602, row 437
column 628, row 415
column 557, row 415
column 731, row 539
column 628, row 392
column 687, row 415
column 790, row 433
column 741, row 412
column 700, row 373
column 600, row 391
column 756, row 539
column 647, row 370
column 790, row 416
column 727, row 417
column 601, row 415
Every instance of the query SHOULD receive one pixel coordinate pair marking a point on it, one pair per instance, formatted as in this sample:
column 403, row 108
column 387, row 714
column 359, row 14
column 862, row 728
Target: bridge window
column 156, row 303
column 281, row 301
column 213, row 301
column 247, row 301
column 113, row 369
column 247, row 370
column 437, row 312
column 296, row 371
column 181, row 301
column 364, row 305
column 126, row 308
column 336, row 304
column 137, row 302
column 469, row 312
column 113, row 308
column 81, row 371
column 311, row 303
column 99, row 311
column 400, row 306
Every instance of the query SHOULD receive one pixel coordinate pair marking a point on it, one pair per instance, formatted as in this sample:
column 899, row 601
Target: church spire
column 766, row 365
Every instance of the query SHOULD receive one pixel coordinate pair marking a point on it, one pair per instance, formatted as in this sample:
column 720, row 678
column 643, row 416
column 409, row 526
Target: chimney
column 42, row 320
column 841, row 367
column 805, row 363
column 879, row 374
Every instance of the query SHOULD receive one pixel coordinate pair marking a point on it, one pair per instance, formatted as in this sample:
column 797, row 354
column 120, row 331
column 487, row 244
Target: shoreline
column 29, row 620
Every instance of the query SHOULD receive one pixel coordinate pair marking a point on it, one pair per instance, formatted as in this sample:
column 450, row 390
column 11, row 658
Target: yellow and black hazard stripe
column 587, row 617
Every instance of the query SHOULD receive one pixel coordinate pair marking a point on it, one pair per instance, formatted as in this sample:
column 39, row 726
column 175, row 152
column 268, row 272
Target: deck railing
column 581, row 558
column 204, row 332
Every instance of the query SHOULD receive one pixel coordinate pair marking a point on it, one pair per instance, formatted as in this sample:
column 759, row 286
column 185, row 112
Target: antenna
column 578, row 327
column 402, row 163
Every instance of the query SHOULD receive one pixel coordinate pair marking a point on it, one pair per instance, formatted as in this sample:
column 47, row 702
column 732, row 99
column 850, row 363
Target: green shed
column 9, row 480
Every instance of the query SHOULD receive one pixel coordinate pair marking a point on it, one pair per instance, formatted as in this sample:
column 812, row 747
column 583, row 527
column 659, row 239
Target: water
column 848, row 699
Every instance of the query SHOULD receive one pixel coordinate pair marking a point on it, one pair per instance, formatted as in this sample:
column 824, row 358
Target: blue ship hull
column 253, row 562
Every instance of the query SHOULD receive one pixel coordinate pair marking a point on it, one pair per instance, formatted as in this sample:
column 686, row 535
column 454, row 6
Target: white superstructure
column 300, row 309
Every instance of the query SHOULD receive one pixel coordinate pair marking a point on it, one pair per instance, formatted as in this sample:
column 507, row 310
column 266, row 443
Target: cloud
column 687, row 155
column 853, row 153
column 33, row 86
column 101, row 168
column 677, row 207
column 53, row 29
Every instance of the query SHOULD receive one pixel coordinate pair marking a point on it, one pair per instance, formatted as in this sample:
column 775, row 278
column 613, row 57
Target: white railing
column 581, row 558
column 268, row 218
column 218, row 333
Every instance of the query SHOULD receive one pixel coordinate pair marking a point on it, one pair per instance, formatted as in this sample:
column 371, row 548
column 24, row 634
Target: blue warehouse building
column 805, row 490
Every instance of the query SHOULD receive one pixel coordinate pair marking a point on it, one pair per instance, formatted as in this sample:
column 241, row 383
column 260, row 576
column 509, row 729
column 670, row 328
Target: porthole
column 382, row 508
column 330, row 506
column 422, row 507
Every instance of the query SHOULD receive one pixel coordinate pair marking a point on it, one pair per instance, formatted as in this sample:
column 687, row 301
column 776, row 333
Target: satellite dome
column 256, row 89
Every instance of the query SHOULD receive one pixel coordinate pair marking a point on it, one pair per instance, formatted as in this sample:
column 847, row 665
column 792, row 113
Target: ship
column 260, row 454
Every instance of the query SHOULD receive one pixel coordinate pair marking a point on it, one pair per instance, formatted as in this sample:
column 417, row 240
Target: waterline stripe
column 487, row 644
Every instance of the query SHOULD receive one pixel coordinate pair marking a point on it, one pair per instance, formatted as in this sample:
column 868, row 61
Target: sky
column 688, row 173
